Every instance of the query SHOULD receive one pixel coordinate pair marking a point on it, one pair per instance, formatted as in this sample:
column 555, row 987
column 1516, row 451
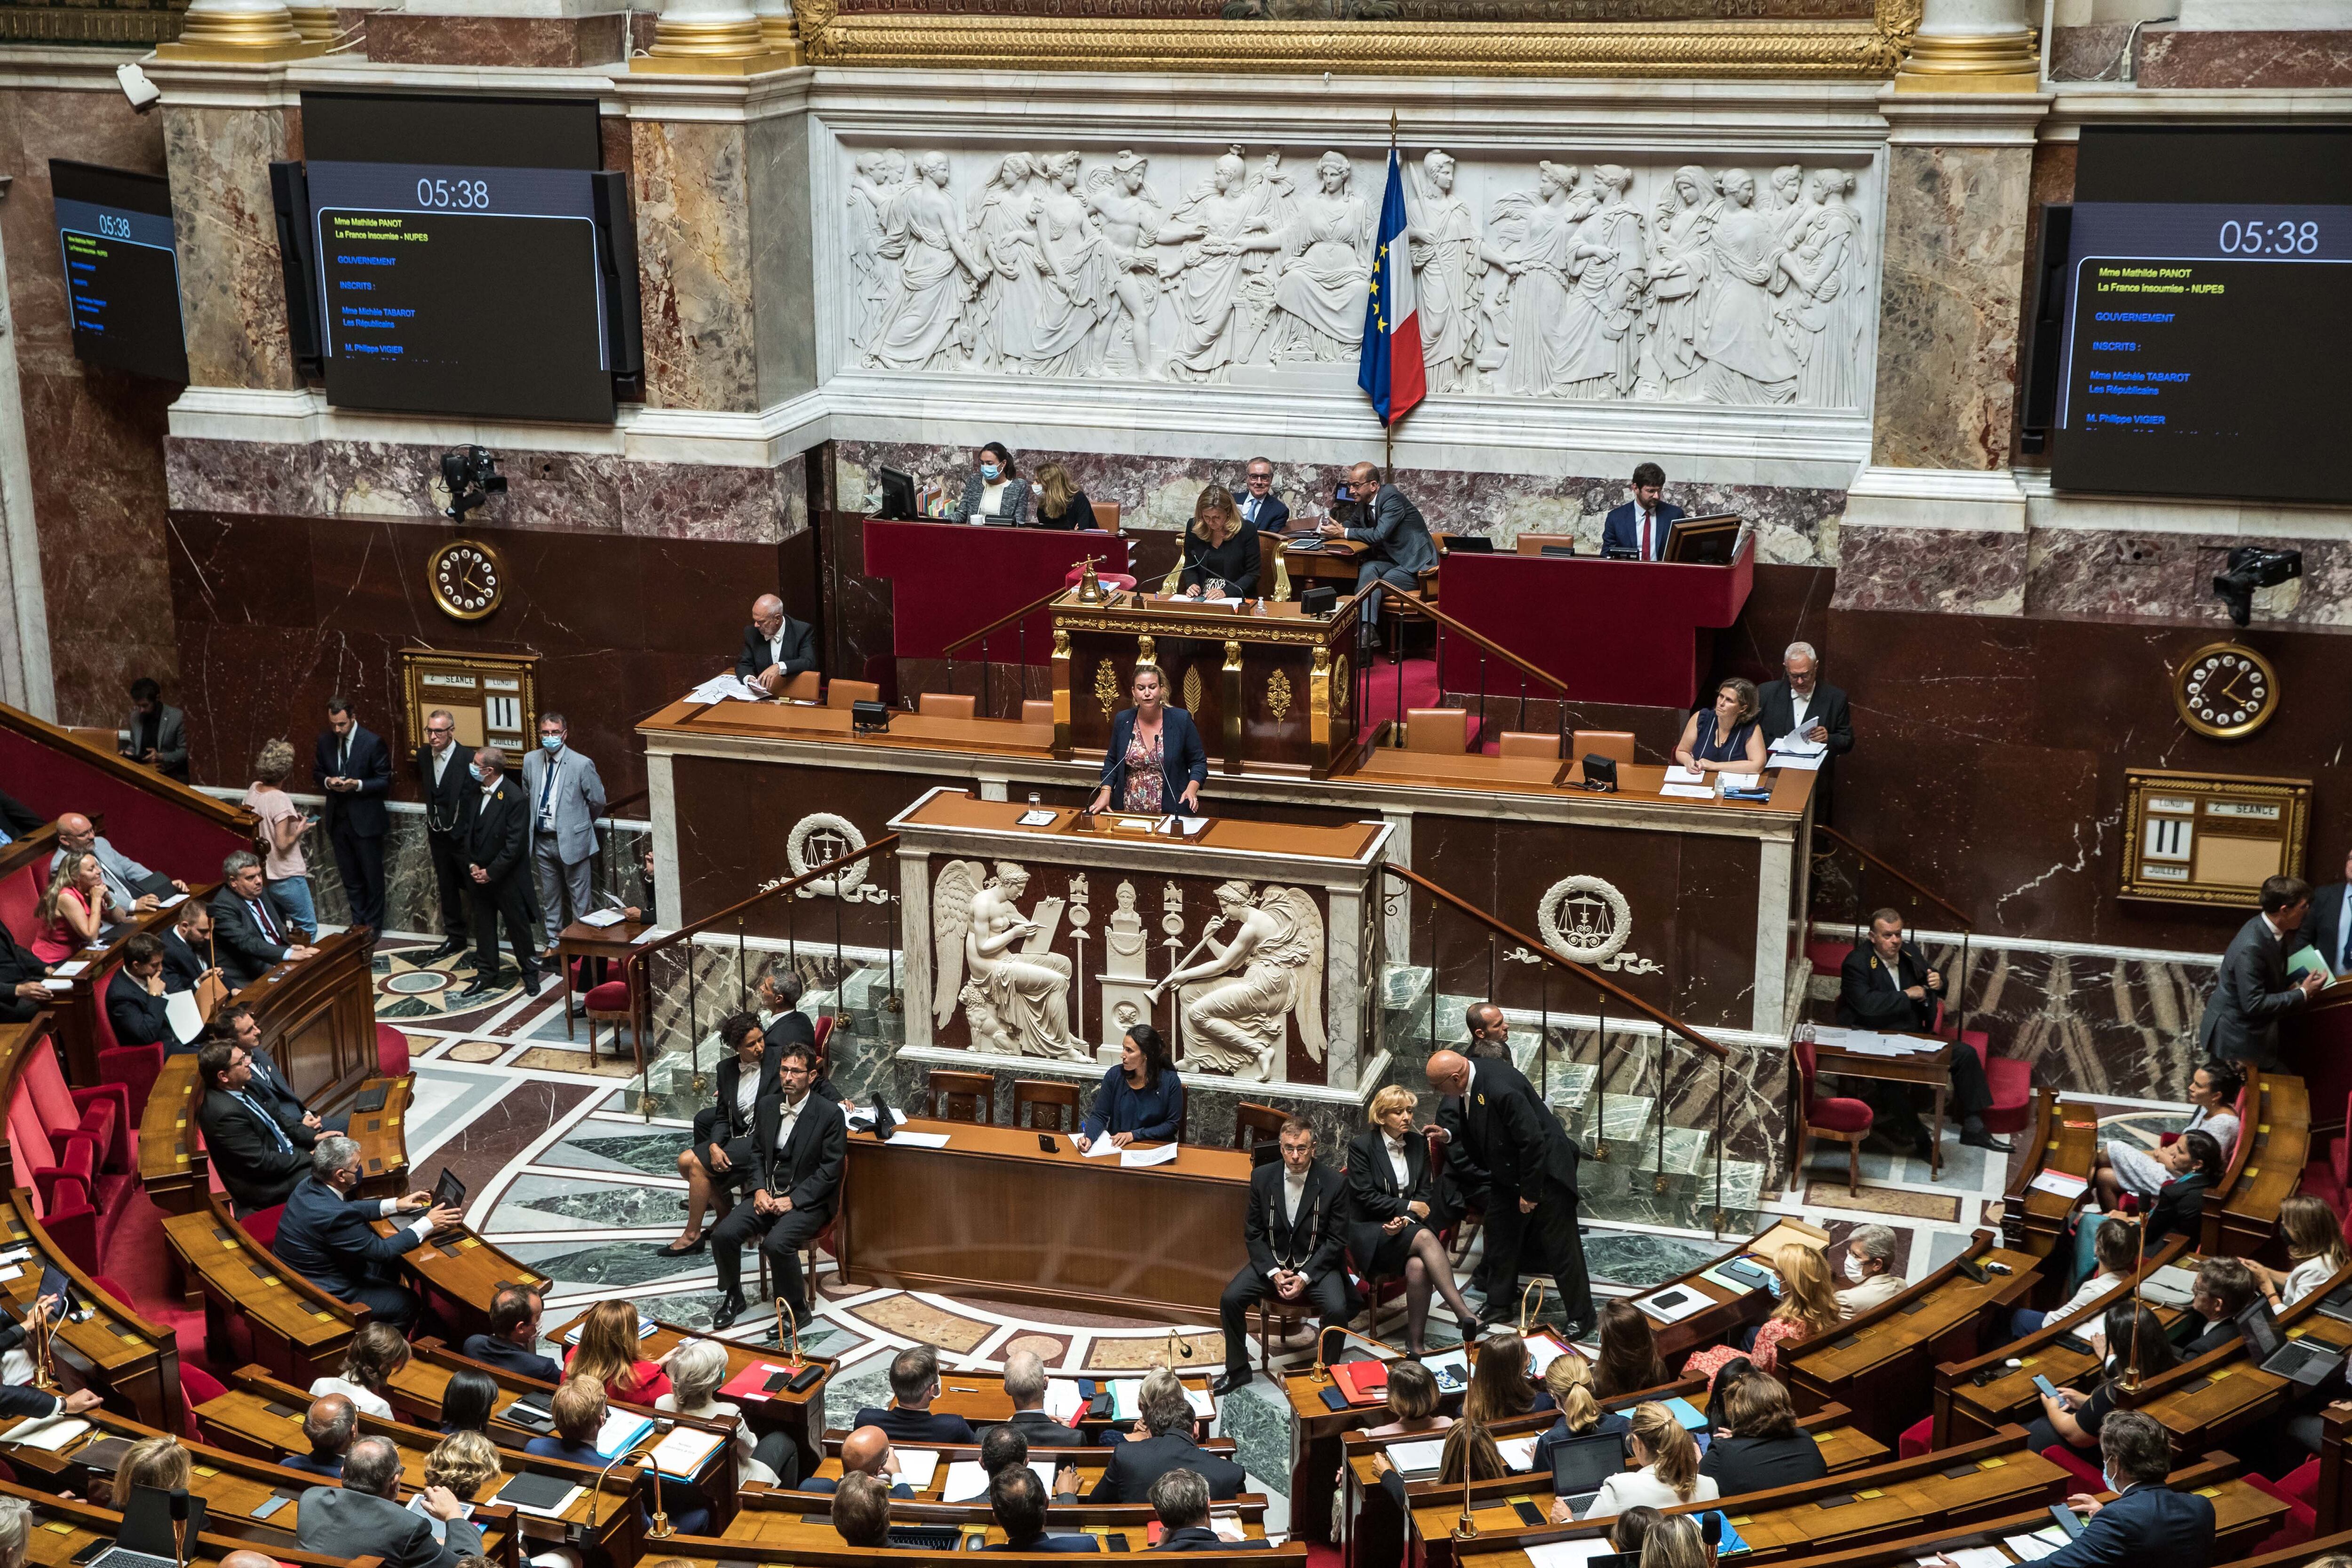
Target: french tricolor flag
column 1391, row 369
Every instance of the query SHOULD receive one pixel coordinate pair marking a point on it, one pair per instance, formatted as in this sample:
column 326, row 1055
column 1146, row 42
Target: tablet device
column 448, row 1192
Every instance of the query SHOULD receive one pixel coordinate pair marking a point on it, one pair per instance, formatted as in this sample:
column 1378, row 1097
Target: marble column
column 1972, row 45
column 223, row 124
column 717, row 37
column 1951, row 284
column 248, row 30
column 24, row 679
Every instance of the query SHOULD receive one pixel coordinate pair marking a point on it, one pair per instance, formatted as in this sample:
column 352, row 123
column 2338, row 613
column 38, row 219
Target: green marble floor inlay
column 656, row 1153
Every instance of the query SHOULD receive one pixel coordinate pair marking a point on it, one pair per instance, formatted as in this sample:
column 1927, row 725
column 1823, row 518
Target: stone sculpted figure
column 878, row 177
column 1746, row 362
column 1824, row 286
column 1529, row 240
column 1321, row 291
column 1605, row 262
column 1222, row 294
column 1444, row 238
column 1275, row 962
column 1017, row 1000
column 1129, row 217
column 1679, row 232
column 935, row 271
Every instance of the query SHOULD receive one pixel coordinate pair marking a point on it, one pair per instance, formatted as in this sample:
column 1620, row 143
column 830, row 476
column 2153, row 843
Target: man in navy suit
column 1260, row 506
column 2148, row 1525
column 270, row 1086
column 135, row 993
column 1394, row 527
column 324, row 1235
column 2329, row 926
column 1137, row 1463
column 354, row 770
column 1180, row 1498
column 1017, row 1501
column 261, row 1153
column 512, row 1345
column 866, row 1451
column 329, row 1427
column 1640, row 526
column 914, row 1384
column 188, row 948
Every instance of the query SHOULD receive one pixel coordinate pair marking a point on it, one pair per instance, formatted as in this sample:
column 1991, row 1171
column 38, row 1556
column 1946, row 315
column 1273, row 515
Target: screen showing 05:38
column 456, row 290
column 2204, row 350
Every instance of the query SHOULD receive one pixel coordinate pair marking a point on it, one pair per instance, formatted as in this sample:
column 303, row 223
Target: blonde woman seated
column 1219, row 547
column 697, row 1368
column 1809, row 1305
column 2315, row 1244
column 1569, row 1380
column 1668, row 1477
column 1392, row 1229
column 1724, row 737
column 461, row 1465
column 1675, row 1542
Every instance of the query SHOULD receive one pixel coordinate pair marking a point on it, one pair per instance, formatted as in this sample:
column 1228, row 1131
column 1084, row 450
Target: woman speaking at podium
column 1155, row 763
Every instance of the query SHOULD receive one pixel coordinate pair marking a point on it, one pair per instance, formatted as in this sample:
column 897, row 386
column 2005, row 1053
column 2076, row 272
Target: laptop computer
column 1579, row 1465
column 2297, row 1361
column 150, row 1535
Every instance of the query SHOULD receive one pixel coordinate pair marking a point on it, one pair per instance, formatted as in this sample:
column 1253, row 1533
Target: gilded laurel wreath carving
column 1277, row 695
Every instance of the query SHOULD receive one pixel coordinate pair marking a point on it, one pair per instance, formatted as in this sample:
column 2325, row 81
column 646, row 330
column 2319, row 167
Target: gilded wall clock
column 467, row 577
column 2225, row 691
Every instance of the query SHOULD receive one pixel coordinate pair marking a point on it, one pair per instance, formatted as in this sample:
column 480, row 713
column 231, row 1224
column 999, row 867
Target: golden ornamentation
column 1233, row 655
column 1106, row 688
column 263, row 35
column 1061, row 643
column 1313, row 634
column 1277, row 695
column 1192, row 689
column 315, row 23
column 1147, row 651
column 2225, row 691
column 1341, row 689
column 1853, row 50
column 1987, row 62
column 1281, row 577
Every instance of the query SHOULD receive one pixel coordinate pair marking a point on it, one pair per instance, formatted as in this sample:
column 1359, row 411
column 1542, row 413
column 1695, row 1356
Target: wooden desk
column 1930, row 1069
column 317, row 1017
column 2033, row 1221
column 465, row 1274
column 297, row 1330
column 592, row 944
column 1882, row 1364
column 1888, row 1501
column 2265, row 1168
column 384, row 1143
column 990, row 1215
column 134, row 1362
column 173, row 1168
column 1270, row 688
column 710, row 1551
column 65, row 1528
column 2205, row 1402
column 801, row 1414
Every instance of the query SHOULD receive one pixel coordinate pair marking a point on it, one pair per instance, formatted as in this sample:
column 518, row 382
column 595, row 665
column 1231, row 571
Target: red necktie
column 268, row 926
column 1645, row 534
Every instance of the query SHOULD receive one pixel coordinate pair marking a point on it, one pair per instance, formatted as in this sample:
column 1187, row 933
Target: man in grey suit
column 566, row 798
column 158, row 732
column 1402, row 549
column 362, row 1519
column 2241, row 1016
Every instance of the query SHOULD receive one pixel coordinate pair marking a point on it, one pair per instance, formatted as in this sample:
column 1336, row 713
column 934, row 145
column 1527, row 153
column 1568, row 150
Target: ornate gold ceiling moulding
column 1854, row 50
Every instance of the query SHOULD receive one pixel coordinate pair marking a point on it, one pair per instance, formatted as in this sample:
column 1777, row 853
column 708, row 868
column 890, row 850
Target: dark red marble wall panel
column 274, row 613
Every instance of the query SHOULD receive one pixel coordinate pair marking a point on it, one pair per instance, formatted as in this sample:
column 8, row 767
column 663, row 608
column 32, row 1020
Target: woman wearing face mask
column 993, row 493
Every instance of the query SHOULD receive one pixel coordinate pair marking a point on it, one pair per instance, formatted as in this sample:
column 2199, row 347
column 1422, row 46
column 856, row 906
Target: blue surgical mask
column 550, row 743
column 476, row 770
column 989, row 471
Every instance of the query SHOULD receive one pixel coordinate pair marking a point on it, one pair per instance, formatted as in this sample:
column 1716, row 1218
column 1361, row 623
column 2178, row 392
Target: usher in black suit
column 355, row 821
column 1776, row 711
column 1501, row 1129
column 445, row 827
column 1869, row 998
column 806, row 1169
column 1309, row 1245
column 497, row 823
column 722, row 1123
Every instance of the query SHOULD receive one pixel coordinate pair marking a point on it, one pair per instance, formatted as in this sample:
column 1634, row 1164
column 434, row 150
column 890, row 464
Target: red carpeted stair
column 140, row 1260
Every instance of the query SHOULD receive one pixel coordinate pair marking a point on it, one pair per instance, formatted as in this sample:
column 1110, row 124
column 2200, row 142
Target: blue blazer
column 2150, row 1526
column 1182, row 760
column 1050, row 1543
column 1623, row 526
column 330, row 1469
column 822, row 1485
column 1152, row 1113
column 915, row 1425
column 326, row 1238
column 1273, row 517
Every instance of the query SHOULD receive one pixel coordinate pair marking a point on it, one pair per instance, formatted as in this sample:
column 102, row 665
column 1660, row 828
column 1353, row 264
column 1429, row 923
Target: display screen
column 2208, row 311
column 122, row 271
column 459, row 258
column 2201, row 348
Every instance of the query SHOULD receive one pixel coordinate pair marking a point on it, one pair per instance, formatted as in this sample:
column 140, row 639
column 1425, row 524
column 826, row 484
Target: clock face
column 2225, row 691
column 466, row 579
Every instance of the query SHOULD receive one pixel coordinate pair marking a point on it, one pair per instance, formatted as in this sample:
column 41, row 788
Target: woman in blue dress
column 1141, row 1099
column 1725, row 738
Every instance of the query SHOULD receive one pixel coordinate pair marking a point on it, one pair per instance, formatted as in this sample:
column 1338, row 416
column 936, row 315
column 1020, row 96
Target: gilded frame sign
column 2209, row 838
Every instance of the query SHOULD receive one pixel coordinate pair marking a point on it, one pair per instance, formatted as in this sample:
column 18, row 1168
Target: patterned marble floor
column 570, row 1163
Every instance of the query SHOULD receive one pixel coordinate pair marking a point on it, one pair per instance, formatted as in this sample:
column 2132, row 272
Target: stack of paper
column 1132, row 1158
column 917, row 1466
column 1126, row 1398
column 1569, row 1553
column 2034, row 1547
column 1518, row 1453
column 49, row 1432
column 2169, row 1286
column 1686, row 791
column 1202, row 1404
column 620, row 1432
column 1062, row 1400
column 1417, row 1459
column 1542, row 1350
column 1101, row 1146
column 679, row 1456
column 729, row 687
column 603, row 917
column 1739, row 780
column 2060, row 1183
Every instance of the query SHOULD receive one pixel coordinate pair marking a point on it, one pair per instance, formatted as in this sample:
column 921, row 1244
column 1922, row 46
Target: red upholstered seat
column 197, row 1386
column 261, row 1225
column 1827, row 956
column 2082, row 1466
column 20, row 898
column 1838, row 1115
column 1917, row 1438
column 103, row 1111
column 612, row 997
column 2302, row 1483
column 135, row 1068
column 2302, row 1520
column 391, row 1051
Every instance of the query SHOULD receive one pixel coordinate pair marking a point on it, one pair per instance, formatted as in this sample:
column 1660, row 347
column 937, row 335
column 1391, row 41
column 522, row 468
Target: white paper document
column 865, row 1118
column 917, row 1466
column 49, row 1432
column 1101, row 1146
column 1686, row 791
column 1798, row 762
column 603, row 917
column 650, row 934
column 2169, row 1286
column 1976, row 1557
column 1569, row 1553
column 729, row 687
column 1417, row 1459
column 620, row 1432
column 1518, row 1453
column 1677, row 774
column 1795, row 744
column 921, row 1140
column 1202, row 1403
column 1739, row 780
column 186, row 1018
column 680, row 1455
column 58, row 985
column 1131, row 1157
column 1674, row 1303
column 1542, row 1351
column 171, row 902
column 1062, row 1400
column 2034, row 1547
column 75, row 967
column 2058, row 1182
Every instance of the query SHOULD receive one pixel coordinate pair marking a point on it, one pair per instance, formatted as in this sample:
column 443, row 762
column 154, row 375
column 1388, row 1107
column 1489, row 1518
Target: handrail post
column 1658, row 1182
column 1721, row 1066
column 1600, row 1082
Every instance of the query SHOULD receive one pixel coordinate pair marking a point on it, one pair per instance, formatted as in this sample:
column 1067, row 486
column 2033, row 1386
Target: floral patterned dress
column 1145, row 782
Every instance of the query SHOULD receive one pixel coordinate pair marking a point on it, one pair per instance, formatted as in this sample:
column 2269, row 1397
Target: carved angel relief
column 1016, row 1001
column 1273, row 973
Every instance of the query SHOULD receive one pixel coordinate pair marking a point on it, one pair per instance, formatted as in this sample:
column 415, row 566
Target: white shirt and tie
column 787, row 1122
column 1395, row 1147
column 1293, row 1194
column 1250, row 504
column 441, row 761
column 1643, row 532
column 1798, row 708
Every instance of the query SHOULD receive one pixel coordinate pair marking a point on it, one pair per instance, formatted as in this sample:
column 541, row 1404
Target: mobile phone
column 271, row 1505
column 1972, row 1270
column 1045, row 1142
column 1116, row 1543
column 2074, row 1343
column 2042, row 1385
column 1529, row 1514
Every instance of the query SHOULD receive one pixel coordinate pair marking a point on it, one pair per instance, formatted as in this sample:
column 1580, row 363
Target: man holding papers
column 1806, row 720
column 799, row 1139
column 1295, row 1230
column 1886, row 985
